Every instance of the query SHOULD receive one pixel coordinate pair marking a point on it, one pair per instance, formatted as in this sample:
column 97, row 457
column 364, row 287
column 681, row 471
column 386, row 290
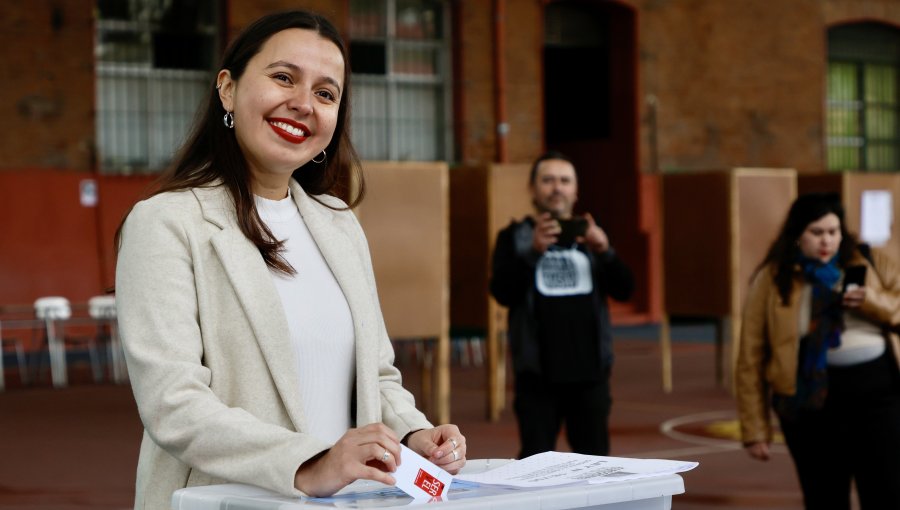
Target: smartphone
column 570, row 229
column 854, row 275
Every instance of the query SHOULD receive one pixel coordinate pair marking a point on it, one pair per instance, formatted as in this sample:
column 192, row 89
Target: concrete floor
column 77, row 448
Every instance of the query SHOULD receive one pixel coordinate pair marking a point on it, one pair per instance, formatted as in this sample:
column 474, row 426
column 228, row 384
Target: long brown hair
column 211, row 152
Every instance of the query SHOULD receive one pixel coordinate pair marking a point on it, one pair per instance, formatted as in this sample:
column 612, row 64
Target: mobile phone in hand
column 854, row 275
column 570, row 229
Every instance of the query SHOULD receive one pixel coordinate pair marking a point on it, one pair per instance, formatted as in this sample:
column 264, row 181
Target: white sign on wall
column 87, row 191
column 876, row 217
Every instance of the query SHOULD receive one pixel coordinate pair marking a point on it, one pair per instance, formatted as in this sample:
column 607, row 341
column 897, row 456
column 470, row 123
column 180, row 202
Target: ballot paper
column 419, row 478
column 557, row 468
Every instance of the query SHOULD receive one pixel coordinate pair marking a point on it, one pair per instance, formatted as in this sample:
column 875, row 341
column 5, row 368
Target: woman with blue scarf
column 825, row 356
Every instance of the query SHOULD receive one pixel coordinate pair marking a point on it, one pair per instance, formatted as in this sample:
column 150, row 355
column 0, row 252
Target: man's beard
column 556, row 214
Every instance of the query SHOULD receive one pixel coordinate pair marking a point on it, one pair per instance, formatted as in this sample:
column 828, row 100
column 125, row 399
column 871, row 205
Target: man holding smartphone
column 554, row 271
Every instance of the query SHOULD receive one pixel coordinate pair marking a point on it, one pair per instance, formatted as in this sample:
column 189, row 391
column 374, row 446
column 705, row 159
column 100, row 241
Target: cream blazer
column 208, row 349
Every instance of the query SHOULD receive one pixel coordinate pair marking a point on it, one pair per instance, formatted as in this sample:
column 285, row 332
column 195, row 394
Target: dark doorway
column 576, row 74
column 590, row 113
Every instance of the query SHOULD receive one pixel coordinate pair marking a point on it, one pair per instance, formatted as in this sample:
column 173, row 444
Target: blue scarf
column 825, row 326
column 826, row 307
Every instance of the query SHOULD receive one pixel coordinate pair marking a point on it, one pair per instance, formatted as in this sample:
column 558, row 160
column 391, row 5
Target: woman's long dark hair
column 211, row 152
column 785, row 251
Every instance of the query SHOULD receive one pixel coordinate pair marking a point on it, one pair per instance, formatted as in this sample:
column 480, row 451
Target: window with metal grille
column 154, row 59
column 862, row 111
column 399, row 56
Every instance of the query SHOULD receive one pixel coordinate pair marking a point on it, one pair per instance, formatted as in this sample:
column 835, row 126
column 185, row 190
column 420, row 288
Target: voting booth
column 718, row 226
column 405, row 218
column 484, row 199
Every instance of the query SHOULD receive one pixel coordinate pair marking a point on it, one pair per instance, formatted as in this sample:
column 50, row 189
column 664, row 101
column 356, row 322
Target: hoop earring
column 322, row 159
column 228, row 119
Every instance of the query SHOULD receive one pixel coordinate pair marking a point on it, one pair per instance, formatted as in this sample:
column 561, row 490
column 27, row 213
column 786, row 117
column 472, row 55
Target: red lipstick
column 290, row 130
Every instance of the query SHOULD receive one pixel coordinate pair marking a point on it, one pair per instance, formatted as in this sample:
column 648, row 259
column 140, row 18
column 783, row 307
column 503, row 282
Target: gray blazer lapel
column 331, row 231
column 252, row 283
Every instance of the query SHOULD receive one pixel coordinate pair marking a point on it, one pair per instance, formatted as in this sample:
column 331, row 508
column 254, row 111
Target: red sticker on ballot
column 420, row 478
column 428, row 483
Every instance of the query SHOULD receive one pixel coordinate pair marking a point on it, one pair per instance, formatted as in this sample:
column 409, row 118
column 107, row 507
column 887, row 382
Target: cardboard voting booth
column 406, row 221
column 718, row 226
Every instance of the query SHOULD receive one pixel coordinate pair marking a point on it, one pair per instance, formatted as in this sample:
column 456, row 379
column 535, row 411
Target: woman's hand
column 854, row 296
column 443, row 445
column 368, row 453
column 759, row 451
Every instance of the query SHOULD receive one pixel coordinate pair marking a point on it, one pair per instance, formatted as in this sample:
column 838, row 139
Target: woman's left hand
column 854, row 297
column 443, row 445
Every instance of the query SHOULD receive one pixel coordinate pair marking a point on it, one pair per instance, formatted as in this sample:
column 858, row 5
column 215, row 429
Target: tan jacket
column 208, row 347
column 768, row 350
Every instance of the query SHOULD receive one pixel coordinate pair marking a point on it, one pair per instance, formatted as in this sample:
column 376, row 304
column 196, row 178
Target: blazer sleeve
column 750, row 387
column 398, row 406
column 159, row 321
column 882, row 301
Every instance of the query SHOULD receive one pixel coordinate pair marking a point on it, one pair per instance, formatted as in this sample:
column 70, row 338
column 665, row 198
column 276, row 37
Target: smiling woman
column 285, row 106
column 246, row 298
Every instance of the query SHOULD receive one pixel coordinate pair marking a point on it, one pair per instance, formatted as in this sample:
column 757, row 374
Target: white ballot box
column 652, row 493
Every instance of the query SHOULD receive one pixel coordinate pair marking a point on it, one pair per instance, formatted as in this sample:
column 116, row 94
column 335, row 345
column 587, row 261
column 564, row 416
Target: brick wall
column 737, row 82
column 243, row 12
column 524, row 87
column 843, row 11
column 475, row 84
column 47, row 101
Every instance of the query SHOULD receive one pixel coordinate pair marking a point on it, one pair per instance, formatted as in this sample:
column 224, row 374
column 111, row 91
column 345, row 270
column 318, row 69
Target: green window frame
column 863, row 108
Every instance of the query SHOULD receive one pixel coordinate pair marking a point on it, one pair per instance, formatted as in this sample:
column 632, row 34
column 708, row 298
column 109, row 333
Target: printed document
column 556, row 468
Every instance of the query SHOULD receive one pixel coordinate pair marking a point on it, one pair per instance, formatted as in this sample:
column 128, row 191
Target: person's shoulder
column 515, row 225
column 334, row 210
column 764, row 277
column 330, row 206
column 331, row 202
column 175, row 206
column 881, row 260
column 168, row 200
column 316, row 200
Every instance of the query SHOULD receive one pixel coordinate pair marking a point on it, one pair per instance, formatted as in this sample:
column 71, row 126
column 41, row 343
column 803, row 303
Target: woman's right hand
column 759, row 451
column 368, row 453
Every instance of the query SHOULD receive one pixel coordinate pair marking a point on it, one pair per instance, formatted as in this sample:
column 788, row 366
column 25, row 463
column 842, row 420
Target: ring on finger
column 455, row 444
column 455, row 455
column 385, row 455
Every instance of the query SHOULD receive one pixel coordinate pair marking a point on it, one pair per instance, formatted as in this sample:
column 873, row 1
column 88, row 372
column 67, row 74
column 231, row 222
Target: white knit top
column 319, row 320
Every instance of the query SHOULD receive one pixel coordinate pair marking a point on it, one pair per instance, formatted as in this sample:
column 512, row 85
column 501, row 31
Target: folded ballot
column 420, row 478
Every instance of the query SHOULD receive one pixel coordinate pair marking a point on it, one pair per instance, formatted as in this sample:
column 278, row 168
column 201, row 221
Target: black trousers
column 542, row 407
column 855, row 436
